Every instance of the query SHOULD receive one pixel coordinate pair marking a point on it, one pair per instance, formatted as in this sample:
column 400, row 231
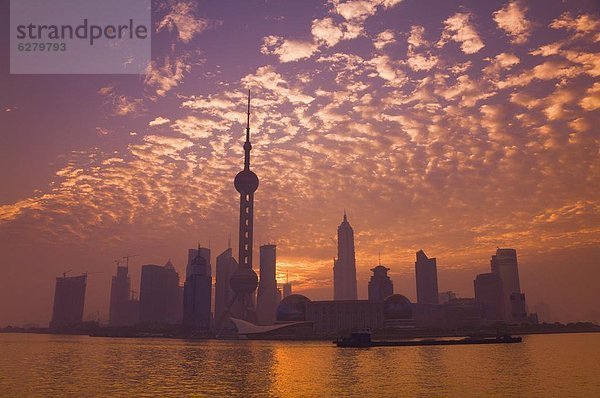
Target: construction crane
column 127, row 257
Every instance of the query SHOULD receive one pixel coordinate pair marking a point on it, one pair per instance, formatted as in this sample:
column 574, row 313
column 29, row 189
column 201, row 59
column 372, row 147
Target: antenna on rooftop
column 127, row 257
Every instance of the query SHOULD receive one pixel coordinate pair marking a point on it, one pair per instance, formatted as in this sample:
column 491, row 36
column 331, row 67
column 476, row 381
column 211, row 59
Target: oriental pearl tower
column 244, row 280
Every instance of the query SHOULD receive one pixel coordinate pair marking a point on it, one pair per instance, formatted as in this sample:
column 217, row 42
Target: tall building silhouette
column 197, row 291
column 69, row 299
column 489, row 293
column 426, row 276
column 267, row 298
column 160, row 294
column 192, row 254
column 244, row 280
column 124, row 310
column 344, row 266
column 380, row 285
column 287, row 289
column 226, row 266
column 504, row 264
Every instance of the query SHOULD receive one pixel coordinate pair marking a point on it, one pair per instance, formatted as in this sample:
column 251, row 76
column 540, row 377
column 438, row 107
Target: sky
column 455, row 127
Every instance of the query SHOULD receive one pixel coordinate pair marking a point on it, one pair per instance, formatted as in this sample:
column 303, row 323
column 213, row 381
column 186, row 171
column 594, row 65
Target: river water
column 80, row 366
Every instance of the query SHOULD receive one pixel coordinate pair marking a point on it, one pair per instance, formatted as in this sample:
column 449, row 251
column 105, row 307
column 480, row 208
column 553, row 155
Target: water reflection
column 430, row 361
column 73, row 366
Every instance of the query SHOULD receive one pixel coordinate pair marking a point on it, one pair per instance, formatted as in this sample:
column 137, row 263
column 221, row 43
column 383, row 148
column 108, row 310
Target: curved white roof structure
column 245, row 327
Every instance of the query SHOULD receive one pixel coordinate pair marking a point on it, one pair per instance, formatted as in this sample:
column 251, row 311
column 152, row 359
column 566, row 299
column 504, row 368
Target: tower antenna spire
column 247, row 144
column 244, row 280
column 248, row 120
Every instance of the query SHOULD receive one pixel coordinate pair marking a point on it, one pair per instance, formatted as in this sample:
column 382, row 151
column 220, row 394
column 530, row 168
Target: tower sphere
column 243, row 281
column 246, row 182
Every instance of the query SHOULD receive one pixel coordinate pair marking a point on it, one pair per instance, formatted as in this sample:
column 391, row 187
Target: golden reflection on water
column 78, row 366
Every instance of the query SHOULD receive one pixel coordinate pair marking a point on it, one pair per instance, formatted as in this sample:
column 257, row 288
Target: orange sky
column 454, row 129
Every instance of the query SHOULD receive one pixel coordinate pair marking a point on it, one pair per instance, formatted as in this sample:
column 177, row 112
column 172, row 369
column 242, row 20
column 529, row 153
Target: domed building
column 292, row 308
column 291, row 321
column 380, row 285
column 398, row 312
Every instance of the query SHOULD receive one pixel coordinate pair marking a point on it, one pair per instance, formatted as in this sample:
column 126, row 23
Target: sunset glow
column 452, row 129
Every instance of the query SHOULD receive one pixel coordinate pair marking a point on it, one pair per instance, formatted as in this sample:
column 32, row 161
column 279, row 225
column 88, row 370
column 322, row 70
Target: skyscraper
column 197, row 291
column 504, row 264
column 226, row 266
column 192, row 254
column 69, row 299
column 426, row 276
column 160, row 295
column 344, row 266
column 489, row 293
column 244, row 280
column 268, row 296
column 380, row 285
column 287, row 289
column 123, row 308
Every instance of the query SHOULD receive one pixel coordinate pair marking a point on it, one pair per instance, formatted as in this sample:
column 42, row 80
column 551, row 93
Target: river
column 31, row 365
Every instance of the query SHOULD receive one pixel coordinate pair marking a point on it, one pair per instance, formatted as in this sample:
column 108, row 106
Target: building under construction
column 69, row 299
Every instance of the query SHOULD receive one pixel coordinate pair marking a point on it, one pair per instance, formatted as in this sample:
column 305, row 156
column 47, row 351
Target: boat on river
column 362, row 339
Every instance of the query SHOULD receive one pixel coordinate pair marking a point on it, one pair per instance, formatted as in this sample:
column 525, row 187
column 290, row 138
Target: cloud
column 548, row 49
column 556, row 103
column 267, row 78
column 182, row 19
column 124, row 105
column 512, row 20
column 288, row 50
column 355, row 9
column 418, row 62
column 592, row 99
column 467, row 90
column 102, row 131
column 500, row 62
column 195, row 127
column 416, row 37
column 326, row 31
column 361, row 9
column 549, row 70
column 158, row 121
column 167, row 145
column 165, row 77
column 582, row 25
column 106, row 91
column 459, row 29
column 388, row 70
column 384, row 38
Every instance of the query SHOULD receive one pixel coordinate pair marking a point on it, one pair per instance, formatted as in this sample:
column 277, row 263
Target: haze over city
column 452, row 129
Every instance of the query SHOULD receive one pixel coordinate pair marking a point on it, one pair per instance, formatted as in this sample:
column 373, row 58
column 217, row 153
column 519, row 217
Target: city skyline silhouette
column 310, row 198
column 455, row 132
